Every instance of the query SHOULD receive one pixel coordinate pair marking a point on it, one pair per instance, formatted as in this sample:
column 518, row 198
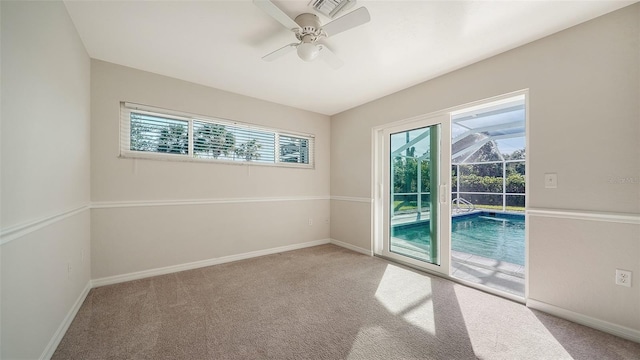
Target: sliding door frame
column 381, row 191
column 377, row 191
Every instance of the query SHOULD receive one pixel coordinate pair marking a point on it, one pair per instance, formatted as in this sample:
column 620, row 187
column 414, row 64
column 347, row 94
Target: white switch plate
column 551, row 180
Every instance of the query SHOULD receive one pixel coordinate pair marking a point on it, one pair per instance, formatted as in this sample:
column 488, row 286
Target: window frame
column 125, row 152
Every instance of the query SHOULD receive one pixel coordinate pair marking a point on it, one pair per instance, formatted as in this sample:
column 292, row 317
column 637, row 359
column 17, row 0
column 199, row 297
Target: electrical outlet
column 310, row 221
column 69, row 270
column 623, row 278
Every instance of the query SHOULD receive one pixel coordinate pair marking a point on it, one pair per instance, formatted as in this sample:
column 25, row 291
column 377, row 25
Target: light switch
column 551, row 180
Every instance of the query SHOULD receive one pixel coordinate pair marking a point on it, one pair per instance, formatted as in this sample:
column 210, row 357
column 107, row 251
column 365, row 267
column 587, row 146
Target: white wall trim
column 64, row 326
column 586, row 215
column 202, row 263
column 351, row 247
column 17, row 231
column 611, row 328
column 125, row 204
column 352, row 199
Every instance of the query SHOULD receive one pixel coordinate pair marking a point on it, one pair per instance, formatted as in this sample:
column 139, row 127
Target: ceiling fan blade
column 355, row 18
column 275, row 12
column 330, row 57
column 280, row 52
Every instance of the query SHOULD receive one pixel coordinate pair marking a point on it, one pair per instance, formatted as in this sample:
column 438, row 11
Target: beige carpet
column 323, row 302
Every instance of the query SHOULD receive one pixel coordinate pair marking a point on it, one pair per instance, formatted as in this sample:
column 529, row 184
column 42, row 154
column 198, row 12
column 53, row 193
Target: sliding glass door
column 413, row 194
column 450, row 194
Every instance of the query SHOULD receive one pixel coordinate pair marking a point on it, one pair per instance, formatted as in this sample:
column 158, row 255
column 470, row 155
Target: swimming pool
column 493, row 235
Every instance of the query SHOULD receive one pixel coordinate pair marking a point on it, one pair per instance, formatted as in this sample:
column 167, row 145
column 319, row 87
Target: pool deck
column 496, row 274
column 489, row 264
column 408, row 218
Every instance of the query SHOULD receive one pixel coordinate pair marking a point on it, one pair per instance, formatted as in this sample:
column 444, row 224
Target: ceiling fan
column 308, row 31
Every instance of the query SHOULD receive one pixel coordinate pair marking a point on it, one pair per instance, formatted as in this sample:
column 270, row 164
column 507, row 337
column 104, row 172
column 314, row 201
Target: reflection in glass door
column 413, row 199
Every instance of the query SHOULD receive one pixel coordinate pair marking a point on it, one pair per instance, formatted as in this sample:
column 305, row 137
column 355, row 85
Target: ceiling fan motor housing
column 310, row 25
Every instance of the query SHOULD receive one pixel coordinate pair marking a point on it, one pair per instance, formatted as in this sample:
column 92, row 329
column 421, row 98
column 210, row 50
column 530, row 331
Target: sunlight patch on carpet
column 407, row 294
column 492, row 332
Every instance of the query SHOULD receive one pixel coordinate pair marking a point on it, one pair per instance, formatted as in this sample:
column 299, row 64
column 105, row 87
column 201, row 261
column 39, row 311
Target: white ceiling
column 220, row 43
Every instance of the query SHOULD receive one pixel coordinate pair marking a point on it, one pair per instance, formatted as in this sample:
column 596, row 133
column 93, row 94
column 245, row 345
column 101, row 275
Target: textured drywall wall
column 45, row 173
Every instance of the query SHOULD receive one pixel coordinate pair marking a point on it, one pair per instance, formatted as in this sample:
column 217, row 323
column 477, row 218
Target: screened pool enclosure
column 488, row 163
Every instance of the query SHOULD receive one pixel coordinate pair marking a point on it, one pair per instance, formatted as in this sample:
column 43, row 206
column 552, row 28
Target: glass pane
column 248, row 145
column 159, row 134
column 212, row 140
column 454, row 178
column 227, row 142
column 404, row 204
column 294, row 149
column 413, row 222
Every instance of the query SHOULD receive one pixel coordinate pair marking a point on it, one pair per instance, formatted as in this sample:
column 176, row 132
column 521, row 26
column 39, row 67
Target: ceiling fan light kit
column 309, row 31
column 308, row 51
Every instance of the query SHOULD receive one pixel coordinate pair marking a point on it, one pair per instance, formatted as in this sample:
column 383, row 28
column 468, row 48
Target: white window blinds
column 294, row 149
column 156, row 133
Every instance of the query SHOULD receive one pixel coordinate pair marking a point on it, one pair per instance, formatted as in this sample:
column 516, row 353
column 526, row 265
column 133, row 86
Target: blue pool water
column 492, row 235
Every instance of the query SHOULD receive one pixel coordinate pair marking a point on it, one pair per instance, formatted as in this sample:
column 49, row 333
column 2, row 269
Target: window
column 162, row 134
column 294, row 149
column 159, row 134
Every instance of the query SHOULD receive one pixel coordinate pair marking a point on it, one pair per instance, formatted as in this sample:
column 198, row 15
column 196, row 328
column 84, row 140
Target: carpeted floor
column 324, row 302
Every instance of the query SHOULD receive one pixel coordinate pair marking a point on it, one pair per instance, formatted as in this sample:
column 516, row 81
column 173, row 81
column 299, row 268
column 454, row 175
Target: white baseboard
column 614, row 329
column 202, row 263
column 62, row 329
column 351, row 247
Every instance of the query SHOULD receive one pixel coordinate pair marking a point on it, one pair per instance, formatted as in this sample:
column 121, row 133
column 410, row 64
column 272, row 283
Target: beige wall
column 45, row 172
column 45, row 107
column 37, row 291
column 351, row 220
column 128, row 240
column 584, row 91
column 584, row 252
